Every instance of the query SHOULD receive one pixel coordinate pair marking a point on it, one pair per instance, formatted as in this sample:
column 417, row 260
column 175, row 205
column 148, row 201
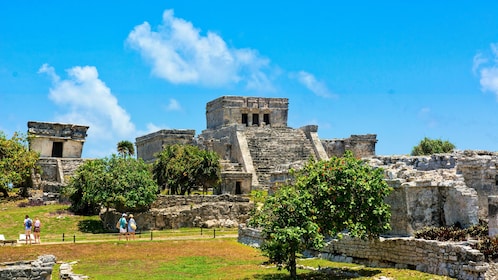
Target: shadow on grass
column 91, row 226
column 329, row 273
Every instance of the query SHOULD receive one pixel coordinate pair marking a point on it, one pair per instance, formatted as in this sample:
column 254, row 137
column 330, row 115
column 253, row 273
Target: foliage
column 182, row 168
column 123, row 183
column 348, row 196
column 488, row 246
column 287, row 226
column 327, row 199
column 17, row 163
column 454, row 233
column 125, row 148
column 432, row 146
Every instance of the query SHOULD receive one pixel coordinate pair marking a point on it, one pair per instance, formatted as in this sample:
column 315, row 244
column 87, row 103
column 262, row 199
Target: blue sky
column 403, row 70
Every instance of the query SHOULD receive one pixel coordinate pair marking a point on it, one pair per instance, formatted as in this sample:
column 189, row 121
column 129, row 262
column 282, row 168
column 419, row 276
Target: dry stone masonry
column 453, row 259
column 39, row 269
column 174, row 211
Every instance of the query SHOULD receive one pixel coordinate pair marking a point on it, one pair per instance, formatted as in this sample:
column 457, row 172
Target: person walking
column 36, row 230
column 132, row 227
column 122, row 226
column 28, row 225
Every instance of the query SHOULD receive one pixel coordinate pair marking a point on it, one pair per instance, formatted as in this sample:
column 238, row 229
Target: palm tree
column 126, row 148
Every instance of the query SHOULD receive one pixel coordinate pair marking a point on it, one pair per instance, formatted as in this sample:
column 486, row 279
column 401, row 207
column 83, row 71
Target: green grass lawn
column 171, row 254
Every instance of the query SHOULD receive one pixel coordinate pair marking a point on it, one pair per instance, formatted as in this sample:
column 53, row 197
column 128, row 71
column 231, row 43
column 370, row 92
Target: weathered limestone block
column 39, row 269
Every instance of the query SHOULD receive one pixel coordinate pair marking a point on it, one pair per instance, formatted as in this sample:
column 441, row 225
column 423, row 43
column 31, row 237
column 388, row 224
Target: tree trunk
column 292, row 265
column 4, row 191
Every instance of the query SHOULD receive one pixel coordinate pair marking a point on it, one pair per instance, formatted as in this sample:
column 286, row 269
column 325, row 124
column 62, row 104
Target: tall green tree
column 183, row 168
column 17, row 163
column 125, row 148
column 328, row 198
column 429, row 146
column 123, row 183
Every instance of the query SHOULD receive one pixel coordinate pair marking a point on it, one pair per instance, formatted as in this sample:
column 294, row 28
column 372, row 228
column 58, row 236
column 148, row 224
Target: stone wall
column 55, row 173
column 451, row 259
column 427, row 191
column 151, row 144
column 361, row 145
column 476, row 169
column 39, row 269
column 57, row 139
column 479, row 168
column 171, row 212
column 247, row 111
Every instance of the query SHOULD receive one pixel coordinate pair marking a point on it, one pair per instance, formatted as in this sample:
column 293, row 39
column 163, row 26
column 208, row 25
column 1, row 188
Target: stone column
column 493, row 215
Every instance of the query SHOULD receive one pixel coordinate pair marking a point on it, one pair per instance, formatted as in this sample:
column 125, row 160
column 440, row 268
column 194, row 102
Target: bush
column 486, row 245
column 432, row 146
column 454, row 233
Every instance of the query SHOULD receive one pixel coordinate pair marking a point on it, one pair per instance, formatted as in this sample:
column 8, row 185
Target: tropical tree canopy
column 183, row 168
column 429, row 146
column 123, row 183
column 328, row 198
column 125, row 148
column 17, row 163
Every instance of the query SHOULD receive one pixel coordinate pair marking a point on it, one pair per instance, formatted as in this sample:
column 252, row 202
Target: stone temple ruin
column 254, row 142
column 60, row 147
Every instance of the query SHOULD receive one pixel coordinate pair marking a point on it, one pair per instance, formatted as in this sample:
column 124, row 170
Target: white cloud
column 311, row 83
column 88, row 101
column 487, row 69
column 180, row 54
column 173, row 105
column 478, row 61
column 153, row 128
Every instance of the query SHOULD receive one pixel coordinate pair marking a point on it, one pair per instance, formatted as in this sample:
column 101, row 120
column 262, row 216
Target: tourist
column 36, row 230
column 132, row 227
column 28, row 225
column 122, row 226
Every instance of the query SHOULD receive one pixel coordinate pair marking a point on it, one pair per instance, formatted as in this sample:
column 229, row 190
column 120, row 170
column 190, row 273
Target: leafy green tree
column 429, row 146
column 182, row 168
column 17, row 163
column 125, row 148
column 123, row 183
column 328, row 198
column 288, row 226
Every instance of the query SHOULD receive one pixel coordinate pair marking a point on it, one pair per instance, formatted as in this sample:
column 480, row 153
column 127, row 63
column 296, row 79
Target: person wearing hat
column 132, row 227
column 122, row 226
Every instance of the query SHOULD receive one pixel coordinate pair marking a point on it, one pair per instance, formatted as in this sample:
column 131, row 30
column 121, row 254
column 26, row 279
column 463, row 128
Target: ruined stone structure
column 256, row 147
column 427, row 191
column 361, row 145
column 57, row 139
column 39, row 269
column 439, row 190
column 60, row 147
column 150, row 144
column 454, row 259
column 175, row 211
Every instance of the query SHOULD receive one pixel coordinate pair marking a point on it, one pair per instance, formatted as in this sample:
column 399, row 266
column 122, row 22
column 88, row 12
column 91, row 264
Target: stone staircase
column 228, row 166
column 271, row 148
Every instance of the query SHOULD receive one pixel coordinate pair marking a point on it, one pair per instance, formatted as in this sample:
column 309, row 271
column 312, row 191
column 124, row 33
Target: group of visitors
column 127, row 227
column 31, row 227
